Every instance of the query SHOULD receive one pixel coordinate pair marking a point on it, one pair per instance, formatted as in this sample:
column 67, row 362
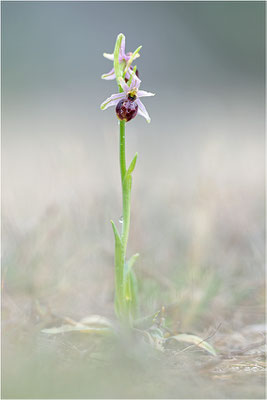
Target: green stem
column 122, row 274
column 122, row 150
column 126, row 189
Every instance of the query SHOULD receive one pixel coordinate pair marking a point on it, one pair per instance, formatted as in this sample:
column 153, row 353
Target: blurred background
column 198, row 187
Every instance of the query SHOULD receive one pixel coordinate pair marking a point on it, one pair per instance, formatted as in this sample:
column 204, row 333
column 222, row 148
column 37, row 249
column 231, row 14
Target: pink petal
column 135, row 81
column 124, row 85
column 143, row 93
column 112, row 100
column 109, row 76
column 142, row 110
column 109, row 56
column 122, row 49
column 127, row 75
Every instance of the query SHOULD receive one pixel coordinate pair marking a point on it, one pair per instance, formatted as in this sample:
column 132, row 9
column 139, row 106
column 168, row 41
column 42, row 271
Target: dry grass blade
column 77, row 328
column 195, row 341
column 91, row 324
column 97, row 320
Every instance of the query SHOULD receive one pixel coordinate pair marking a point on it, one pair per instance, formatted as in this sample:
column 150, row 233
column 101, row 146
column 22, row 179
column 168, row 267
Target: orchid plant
column 128, row 105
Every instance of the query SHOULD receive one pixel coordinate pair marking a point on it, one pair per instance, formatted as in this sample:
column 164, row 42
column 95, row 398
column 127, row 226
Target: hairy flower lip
column 126, row 109
column 114, row 99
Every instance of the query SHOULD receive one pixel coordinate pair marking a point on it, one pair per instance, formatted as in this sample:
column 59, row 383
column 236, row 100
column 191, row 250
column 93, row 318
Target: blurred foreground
column 201, row 242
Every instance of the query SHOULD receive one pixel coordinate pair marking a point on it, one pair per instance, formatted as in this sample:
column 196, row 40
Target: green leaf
column 134, row 291
column 195, row 340
column 119, row 272
column 116, row 233
column 131, row 261
column 132, row 165
column 130, row 287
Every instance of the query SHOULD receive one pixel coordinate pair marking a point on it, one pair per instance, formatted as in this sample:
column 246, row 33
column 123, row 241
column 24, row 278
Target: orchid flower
column 128, row 103
column 125, row 60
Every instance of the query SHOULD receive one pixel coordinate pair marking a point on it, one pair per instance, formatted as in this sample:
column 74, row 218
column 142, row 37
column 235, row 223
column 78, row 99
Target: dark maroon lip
column 126, row 109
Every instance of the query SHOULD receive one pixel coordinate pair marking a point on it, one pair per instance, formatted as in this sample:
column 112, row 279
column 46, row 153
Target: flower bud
column 126, row 109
